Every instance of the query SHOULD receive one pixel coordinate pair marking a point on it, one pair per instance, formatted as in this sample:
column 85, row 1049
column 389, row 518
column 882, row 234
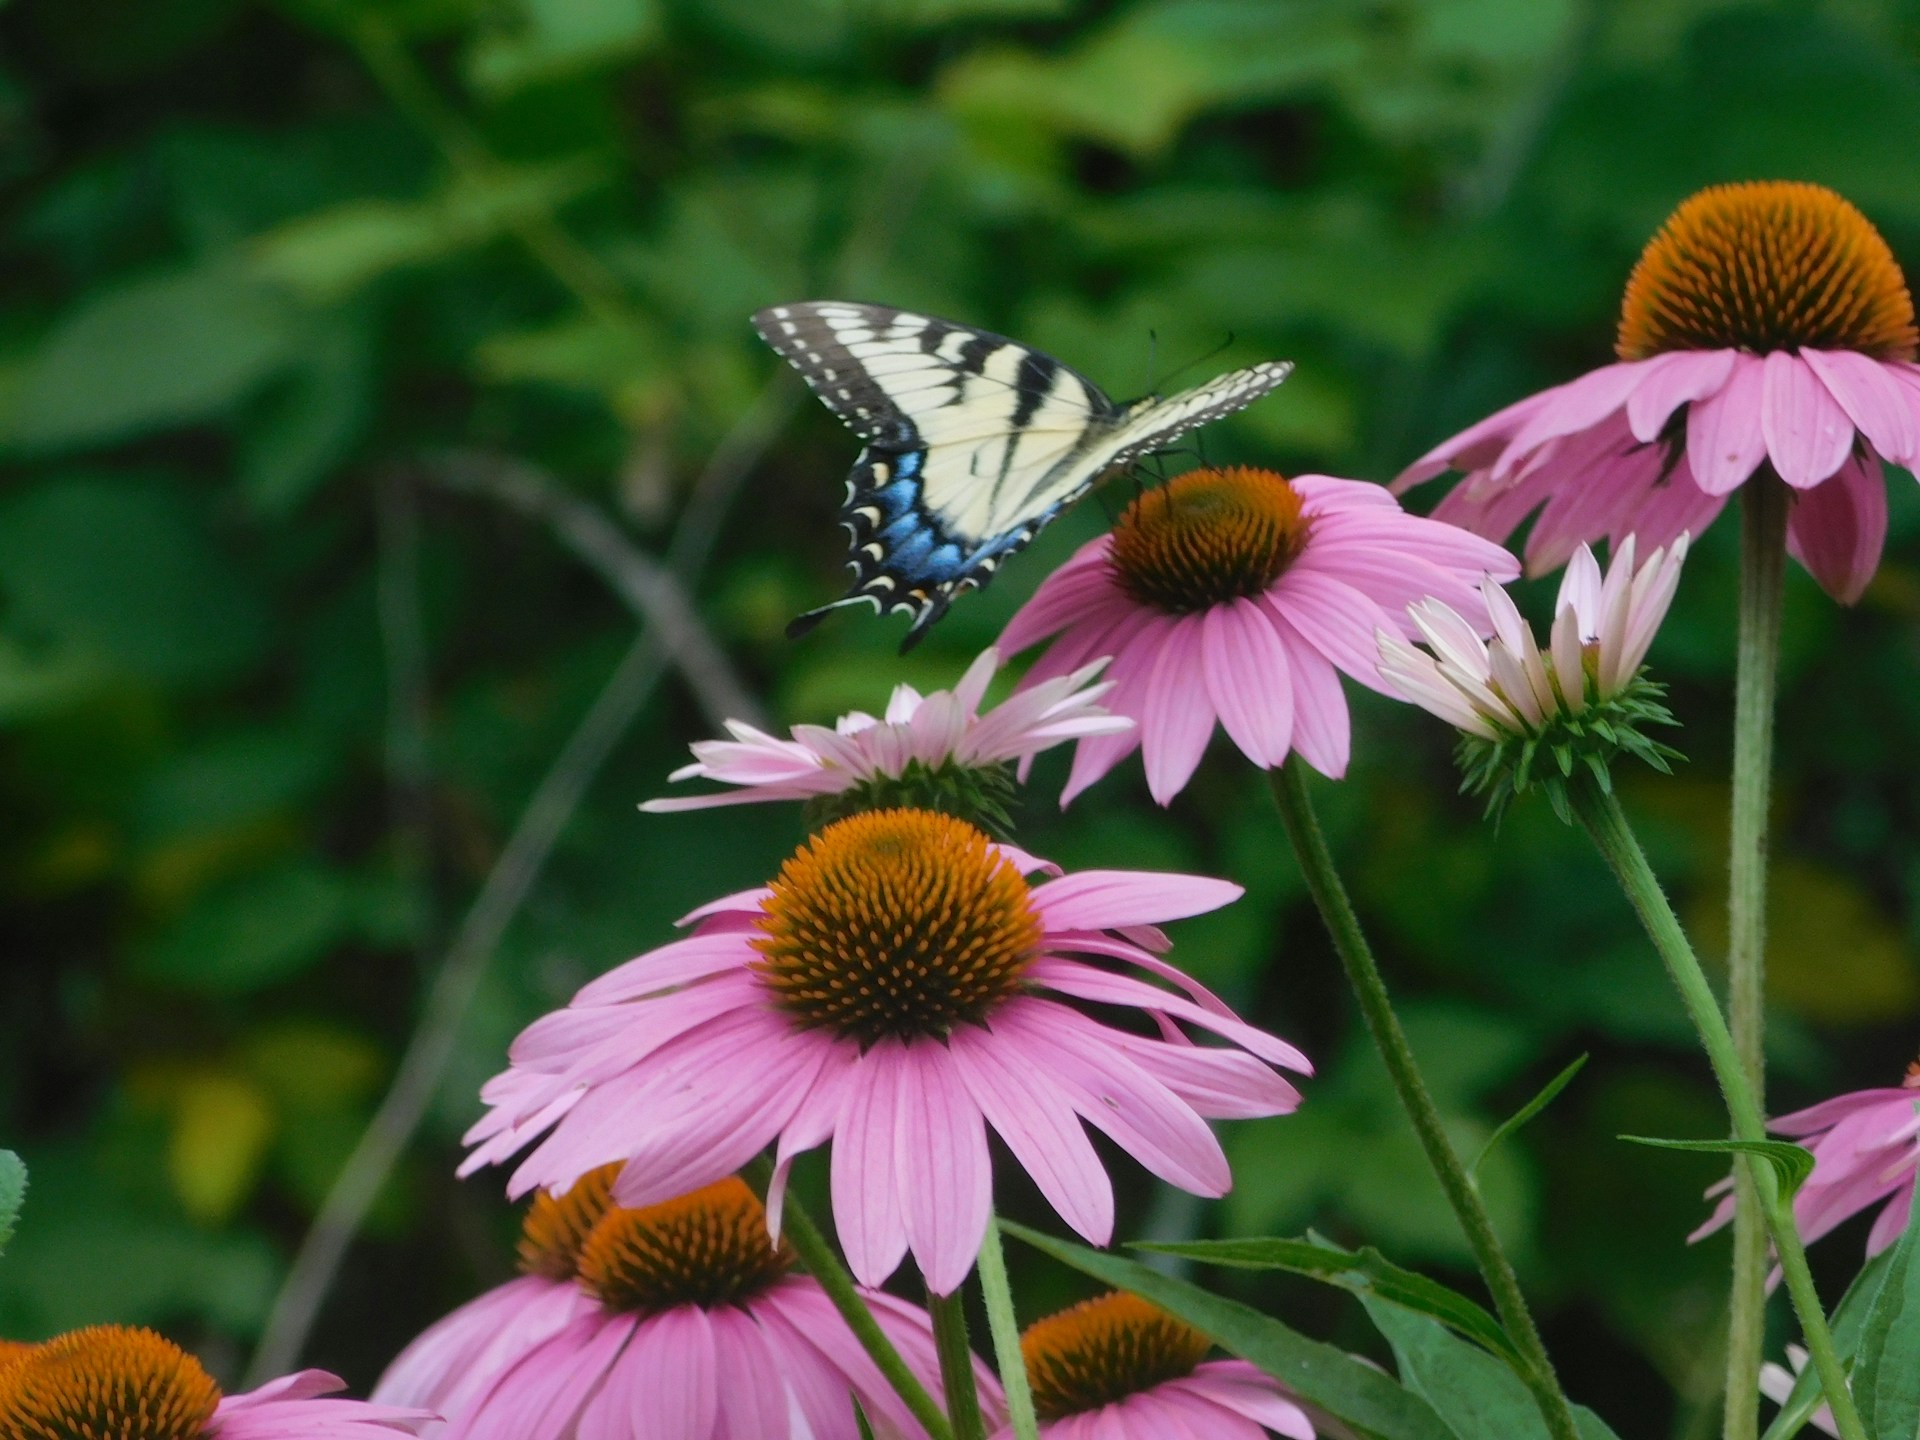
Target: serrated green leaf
column 1348, row 1388
column 1790, row 1162
column 1886, row 1376
column 13, row 1194
column 1363, row 1272
column 1548, row 1094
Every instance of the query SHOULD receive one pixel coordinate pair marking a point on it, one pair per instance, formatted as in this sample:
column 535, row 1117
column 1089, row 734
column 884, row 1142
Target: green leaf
column 331, row 253
column 1790, row 1162
column 1886, row 1376
column 256, row 931
column 1548, row 1093
column 1849, row 1319
column 13, row 1194
column 1473, row 1393
column 558, row 38
column 1348, row 1388
column 164, row 350
column 122, row 569
column 1364, row 1272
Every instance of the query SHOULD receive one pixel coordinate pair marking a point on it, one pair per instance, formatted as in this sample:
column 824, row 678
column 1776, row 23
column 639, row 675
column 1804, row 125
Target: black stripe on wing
column 903, row 558
column 806, row 339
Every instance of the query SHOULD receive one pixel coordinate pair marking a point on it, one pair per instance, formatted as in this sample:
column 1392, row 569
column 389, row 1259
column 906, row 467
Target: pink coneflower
column 898, row 989
column 696, row 1327
column 1866, row 1148
column 1118, row 1368
column 117, row 1380
column 457, row 1357
column 1767, row 326
column 1241, row 597
column 1533, row 714
column 923, row 747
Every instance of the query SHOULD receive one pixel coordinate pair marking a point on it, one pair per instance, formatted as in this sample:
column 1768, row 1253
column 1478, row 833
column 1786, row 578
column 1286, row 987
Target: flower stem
column 1336, row 910
column 1005, row 1326
column 824, row 1266
column 956, row 1365
column 1763, row 555
column 1606, row 822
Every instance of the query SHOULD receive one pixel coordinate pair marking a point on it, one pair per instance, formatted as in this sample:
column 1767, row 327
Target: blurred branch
column 650, row 589
column 404, row 646
column 511, row 879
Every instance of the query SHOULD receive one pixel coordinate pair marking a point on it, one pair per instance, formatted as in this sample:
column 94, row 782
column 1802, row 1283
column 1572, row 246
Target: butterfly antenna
column 1170, row 376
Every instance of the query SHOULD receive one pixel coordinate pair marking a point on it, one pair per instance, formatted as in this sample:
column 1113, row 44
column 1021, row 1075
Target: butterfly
column 973, row 443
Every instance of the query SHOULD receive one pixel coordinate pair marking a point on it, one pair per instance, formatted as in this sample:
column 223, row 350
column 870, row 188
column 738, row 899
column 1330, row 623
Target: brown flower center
column 1767, row 265
column 1105, row 1349
column 1207, row 537
column 558, row 1225
column 107, row 1382
column 896, row 922
column 708, row 1248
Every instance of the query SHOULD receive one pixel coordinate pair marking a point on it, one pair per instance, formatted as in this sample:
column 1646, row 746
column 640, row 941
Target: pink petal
column 1063, row 598
column 1043, row 1134
column 940, row 1157
column 1114, row 899
column 1724, row 439
column 1247, row 680
column 747, row 1378
column 1670, row 381
column 663, row 1385
column 866, row 1192
column 1575, row 406
column 1837, row 529
column 1808, row 434
column 541, row 1395
column 1881, row 408
column 1322, row 734
column 1476, row 447
column 1335, row 618
column 1175, row 719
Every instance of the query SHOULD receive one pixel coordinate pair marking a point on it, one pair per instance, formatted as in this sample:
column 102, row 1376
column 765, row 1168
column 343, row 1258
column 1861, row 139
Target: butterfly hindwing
column 974, row 443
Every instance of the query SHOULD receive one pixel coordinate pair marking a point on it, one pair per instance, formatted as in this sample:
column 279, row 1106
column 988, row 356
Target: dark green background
column 261, row 298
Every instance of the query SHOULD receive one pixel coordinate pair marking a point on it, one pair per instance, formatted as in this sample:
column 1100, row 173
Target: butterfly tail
column 804, row 624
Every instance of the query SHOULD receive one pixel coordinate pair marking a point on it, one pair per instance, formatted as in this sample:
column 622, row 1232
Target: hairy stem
column 1005, row 1325
column 1763, row 553
column 1606, row 822
column 799, row 1231
column 1336, row 910
column 956, row 1365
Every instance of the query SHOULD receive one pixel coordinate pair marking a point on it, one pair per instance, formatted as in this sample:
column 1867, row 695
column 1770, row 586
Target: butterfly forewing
column 974, row 442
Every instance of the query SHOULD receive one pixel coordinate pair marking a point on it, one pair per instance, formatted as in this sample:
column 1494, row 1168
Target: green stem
column 824, row 1266
column 1763, row 554
column 956, row 1365
column 1005, row 1325
column 1336, row 910
column 1606, row 822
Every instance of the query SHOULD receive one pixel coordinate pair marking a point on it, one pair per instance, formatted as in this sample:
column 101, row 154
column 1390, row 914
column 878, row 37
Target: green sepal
column 982, row 795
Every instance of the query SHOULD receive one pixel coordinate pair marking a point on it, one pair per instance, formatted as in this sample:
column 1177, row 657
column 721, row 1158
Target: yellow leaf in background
column 1832, row 956
column 222, row 1126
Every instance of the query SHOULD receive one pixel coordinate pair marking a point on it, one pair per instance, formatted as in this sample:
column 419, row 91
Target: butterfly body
column 973, row 443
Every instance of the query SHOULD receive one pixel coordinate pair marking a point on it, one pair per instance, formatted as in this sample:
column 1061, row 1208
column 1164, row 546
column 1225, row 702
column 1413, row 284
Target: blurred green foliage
column 272, row 696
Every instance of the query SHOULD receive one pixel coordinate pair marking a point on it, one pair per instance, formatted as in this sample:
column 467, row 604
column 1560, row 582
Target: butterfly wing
column 973, row 443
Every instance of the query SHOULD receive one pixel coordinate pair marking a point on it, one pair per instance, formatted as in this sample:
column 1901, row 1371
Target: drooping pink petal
column 1670, row 381
column 1042, row 1132
column 1574, row 406
column 1838, row 529
column 1247, row 680
column 1724, row 439
column 1322, row 733
column 1175, row 719
column 1808, row 435
column 940, row 1156
column 663, row 1385
column 866, row 1191
column 748, row 1378
column 1884, row 410
column 1334, row 618
column 1476, row 447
